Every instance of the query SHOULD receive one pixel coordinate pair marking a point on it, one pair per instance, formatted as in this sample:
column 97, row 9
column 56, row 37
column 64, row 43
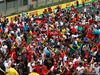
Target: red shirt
column 67, row 63
column 99, row 2
column 29, row 57
column 13, row 38
column 76, row 11
column 14, row 55
column 44, row 71
column 93, row 3
column 62, row 55
column 87, row 55
column 56, row 57
column 70, row 70
column 49, row 9
column 72, row 6
column 90, row 21
column 75, row 66
column 45, row 12
column 38, row 69
column 84, row 65
column 11, row 24
column 34, row 33
column 73, row 30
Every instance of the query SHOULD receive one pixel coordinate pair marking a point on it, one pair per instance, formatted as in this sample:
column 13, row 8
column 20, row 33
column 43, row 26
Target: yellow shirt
column 12, row 71
column 33, row 73
column 63, row 31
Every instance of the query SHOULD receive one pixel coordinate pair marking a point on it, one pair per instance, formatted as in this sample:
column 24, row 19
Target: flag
column 30, row 32
column 74, row 46
column 96, row 31
column 38, row 21
column 33, row 0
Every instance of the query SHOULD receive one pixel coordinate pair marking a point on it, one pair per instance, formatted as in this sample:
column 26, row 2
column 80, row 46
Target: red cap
column 55, row 63
column 44, row 66
column 76, row 62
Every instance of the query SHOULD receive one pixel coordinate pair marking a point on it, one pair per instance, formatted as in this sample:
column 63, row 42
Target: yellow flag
column 30, row 32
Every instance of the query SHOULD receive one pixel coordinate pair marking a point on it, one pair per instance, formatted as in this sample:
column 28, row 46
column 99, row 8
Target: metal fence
column 11, row 7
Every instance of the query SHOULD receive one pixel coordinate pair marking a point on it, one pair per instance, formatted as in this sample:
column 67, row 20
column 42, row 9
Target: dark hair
column 34, row 69
column 12, row 65
column 80, row 63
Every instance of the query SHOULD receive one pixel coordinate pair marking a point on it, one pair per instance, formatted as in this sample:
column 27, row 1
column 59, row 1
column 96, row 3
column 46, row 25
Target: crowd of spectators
column 61, row 44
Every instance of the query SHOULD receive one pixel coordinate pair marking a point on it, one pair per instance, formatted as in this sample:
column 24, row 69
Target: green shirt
column 28, row 40
column 80, row 28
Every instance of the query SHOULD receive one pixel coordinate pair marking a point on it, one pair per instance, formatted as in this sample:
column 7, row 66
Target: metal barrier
column 11, row 7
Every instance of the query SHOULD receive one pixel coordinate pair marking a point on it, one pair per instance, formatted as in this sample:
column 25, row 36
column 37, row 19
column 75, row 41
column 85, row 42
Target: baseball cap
column 55, row 63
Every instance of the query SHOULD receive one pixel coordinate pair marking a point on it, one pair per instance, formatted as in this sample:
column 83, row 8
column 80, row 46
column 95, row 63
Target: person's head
column 13, row 66
column 7, row 60
column 34, row 69
column 40, row 57
column 22, row 61
column 96, row 65
column 44, row 67
column 19, row 56
column 31, row 60
column 55, row 63
column 38, row 63
column 48, row 60
column 88, row 66
column 80, row 64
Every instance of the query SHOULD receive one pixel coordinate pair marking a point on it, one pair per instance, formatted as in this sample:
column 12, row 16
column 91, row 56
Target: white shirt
column 80, row 68
column 56, row 23
column 18, row 39
column 30, row 67
column 79, row 59
column 40, row 61
column 76, row 27
column 55, row 11
column 65, row 59
column 85, row 9
column 6, row 30
column 73, row 36
column 61, row 23
column 6, row 65
column 4, row 49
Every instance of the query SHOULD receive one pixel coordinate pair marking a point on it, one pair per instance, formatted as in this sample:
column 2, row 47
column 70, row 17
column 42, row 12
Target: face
column 88, row 66
column 7, row 60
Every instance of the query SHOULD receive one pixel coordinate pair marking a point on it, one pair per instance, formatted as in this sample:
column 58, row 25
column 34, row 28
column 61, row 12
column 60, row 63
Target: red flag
column 33, row 0
column 39, row 21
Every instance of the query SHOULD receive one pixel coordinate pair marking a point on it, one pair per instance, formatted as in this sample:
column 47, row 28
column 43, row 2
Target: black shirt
column 3, row 68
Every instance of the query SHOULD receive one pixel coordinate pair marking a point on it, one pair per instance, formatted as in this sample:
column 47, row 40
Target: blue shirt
column 23, row 13
column 86, row 39
column 25, row 28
